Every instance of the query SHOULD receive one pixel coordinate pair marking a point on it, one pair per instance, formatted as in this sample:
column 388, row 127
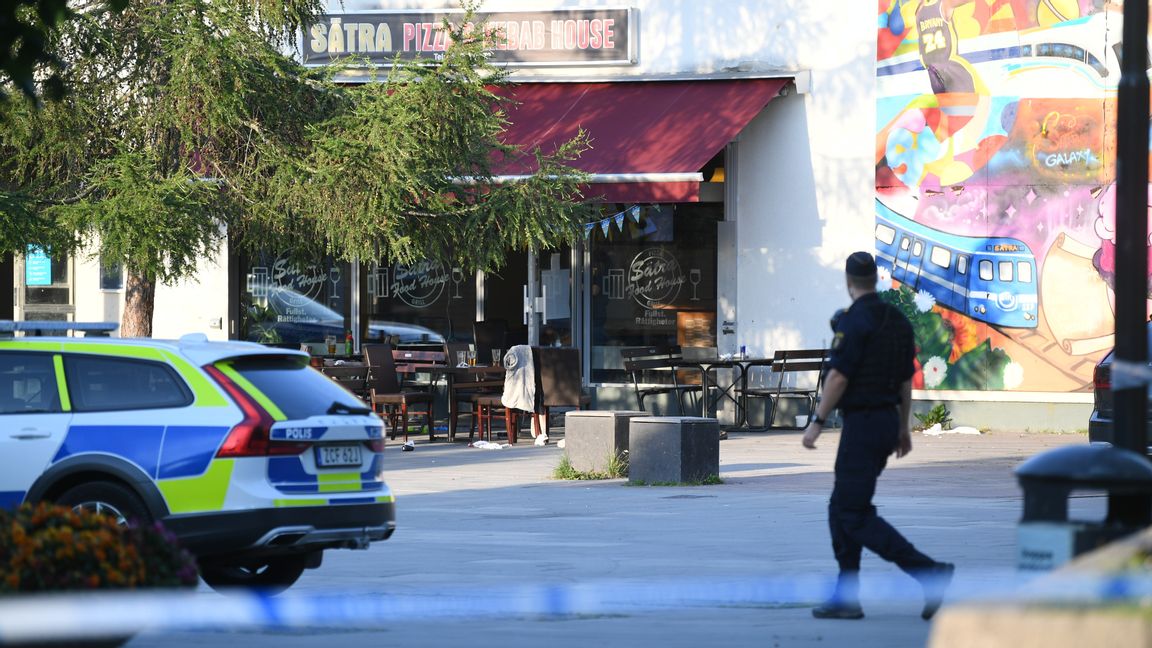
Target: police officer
column 870, row 378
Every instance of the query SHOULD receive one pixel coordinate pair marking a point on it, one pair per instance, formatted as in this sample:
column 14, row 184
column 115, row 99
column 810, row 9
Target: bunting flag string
column 635, row 211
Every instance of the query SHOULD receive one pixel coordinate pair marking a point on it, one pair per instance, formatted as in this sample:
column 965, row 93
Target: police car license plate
column 338, row 455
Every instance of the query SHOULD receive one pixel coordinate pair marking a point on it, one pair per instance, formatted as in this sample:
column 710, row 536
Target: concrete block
column 592, row 437
column 666, row 449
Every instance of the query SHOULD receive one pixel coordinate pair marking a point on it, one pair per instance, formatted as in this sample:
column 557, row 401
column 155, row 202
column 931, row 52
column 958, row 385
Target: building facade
column 741, row 150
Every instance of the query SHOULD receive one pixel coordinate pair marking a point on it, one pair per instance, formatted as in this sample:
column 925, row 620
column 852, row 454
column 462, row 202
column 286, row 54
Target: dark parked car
column 1100, row 423
column 296, row 318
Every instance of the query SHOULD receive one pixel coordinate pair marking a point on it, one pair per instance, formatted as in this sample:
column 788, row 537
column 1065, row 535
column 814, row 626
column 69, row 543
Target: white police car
column 257, row 462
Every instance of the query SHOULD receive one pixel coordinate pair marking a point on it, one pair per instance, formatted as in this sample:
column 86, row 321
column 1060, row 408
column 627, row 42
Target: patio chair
column 385, row 394
column 488, row 335
column 654, row 372
column 559, row 382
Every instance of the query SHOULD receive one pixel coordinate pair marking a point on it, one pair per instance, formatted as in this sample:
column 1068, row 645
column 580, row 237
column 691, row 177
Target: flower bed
column 53, row 548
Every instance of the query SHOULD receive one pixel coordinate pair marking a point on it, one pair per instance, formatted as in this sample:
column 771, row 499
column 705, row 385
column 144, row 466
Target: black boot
column 935, row 581
column 845, row 601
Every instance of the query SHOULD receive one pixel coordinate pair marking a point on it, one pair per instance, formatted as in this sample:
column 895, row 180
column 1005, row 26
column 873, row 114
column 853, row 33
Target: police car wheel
column 107, row 498
column 270, row 575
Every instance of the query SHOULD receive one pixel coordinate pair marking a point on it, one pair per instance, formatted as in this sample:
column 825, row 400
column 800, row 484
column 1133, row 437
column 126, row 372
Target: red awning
column 642, row 127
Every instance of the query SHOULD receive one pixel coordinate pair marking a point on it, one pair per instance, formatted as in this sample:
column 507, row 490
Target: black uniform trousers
column 869, row 437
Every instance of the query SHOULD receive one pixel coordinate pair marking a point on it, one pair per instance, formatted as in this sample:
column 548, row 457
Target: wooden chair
column 789, row 366
column 559, row 382
column 488, row 408
column 385, row 394
column 465, row 389
column 488, row 335
column 653, row 372
column 416, row 358
column 354, row 378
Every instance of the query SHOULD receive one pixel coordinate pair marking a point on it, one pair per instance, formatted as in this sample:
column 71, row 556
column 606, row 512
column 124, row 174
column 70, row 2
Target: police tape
column 121, row 614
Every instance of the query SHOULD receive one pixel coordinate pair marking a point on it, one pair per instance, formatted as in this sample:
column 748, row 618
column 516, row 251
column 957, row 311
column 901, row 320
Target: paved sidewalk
column 474, row 521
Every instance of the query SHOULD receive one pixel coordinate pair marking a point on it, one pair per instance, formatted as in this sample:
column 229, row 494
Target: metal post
column 1131, row 400
column 533, row 292
column 355, row 317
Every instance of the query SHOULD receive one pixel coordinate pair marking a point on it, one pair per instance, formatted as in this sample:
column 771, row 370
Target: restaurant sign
column 572, row 37
column 419, row 285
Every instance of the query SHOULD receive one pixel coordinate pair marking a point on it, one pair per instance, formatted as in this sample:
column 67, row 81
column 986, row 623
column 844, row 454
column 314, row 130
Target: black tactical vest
column 888, row 345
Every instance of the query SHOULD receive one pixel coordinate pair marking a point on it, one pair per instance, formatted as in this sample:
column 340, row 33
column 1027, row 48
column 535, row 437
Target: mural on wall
column 995, row 163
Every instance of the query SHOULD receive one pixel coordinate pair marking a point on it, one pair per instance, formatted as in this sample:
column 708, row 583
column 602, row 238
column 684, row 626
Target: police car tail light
column 375, row 445
column 250, row 437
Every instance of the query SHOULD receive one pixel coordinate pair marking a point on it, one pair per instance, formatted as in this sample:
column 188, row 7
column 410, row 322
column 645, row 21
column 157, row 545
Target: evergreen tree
column 183, row 121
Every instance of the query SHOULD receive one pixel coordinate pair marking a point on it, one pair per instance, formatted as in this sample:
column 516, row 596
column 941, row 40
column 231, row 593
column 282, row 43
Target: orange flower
column 965, row 330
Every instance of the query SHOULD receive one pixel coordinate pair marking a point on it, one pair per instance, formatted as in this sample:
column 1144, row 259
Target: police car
column 257, row 462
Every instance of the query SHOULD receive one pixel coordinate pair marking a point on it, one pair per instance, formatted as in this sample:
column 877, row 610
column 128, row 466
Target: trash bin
column 1046, row 538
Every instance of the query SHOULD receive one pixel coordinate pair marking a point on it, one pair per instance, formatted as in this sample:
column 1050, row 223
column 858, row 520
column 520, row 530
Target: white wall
column 190, row 306
column 805, row 186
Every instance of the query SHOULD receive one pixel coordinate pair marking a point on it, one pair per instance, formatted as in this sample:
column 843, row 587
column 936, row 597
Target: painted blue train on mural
column 990, row 279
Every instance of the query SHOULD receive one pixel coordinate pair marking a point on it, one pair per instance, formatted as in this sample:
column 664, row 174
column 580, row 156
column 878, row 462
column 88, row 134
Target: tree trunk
column 139, row 305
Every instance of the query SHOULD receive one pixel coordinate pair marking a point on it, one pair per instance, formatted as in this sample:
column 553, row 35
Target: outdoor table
column 480, row 376
column 732, row 390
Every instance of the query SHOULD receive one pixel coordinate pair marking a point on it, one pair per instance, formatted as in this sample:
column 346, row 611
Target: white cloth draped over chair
column 519, row 379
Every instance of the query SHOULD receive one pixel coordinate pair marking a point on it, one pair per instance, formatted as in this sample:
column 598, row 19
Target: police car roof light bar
column 8, row 328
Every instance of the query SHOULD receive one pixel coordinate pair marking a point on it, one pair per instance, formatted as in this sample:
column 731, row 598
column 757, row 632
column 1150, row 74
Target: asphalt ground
column 655, row 565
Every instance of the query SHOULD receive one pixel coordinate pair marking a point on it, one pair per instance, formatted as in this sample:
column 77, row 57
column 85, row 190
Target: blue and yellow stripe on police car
column 381, row 499
column 205, row 492
column 287, row 475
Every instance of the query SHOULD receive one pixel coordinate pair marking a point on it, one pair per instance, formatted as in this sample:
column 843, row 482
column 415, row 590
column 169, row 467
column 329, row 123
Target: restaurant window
column 287, row 302
column 652, row 282
column 426, row 302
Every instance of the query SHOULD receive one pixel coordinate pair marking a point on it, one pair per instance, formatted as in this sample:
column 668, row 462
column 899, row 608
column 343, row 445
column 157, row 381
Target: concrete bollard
column 593, row 437
column 673, row 449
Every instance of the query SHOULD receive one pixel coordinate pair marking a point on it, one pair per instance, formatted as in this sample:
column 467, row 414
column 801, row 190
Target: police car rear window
column 103, row 383
column 292, row 386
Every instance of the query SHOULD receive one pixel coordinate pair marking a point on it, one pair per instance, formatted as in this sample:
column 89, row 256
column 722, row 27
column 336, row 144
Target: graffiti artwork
column 995, row 163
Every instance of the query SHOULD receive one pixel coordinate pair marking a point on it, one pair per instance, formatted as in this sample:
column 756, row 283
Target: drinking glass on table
column 461, row 358
column 497, row 356
column 472, row 357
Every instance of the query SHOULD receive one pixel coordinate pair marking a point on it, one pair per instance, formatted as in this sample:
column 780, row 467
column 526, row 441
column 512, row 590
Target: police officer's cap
column 860, row 264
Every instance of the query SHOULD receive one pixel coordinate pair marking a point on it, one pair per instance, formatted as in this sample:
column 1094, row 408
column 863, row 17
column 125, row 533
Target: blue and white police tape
column 120, row 614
